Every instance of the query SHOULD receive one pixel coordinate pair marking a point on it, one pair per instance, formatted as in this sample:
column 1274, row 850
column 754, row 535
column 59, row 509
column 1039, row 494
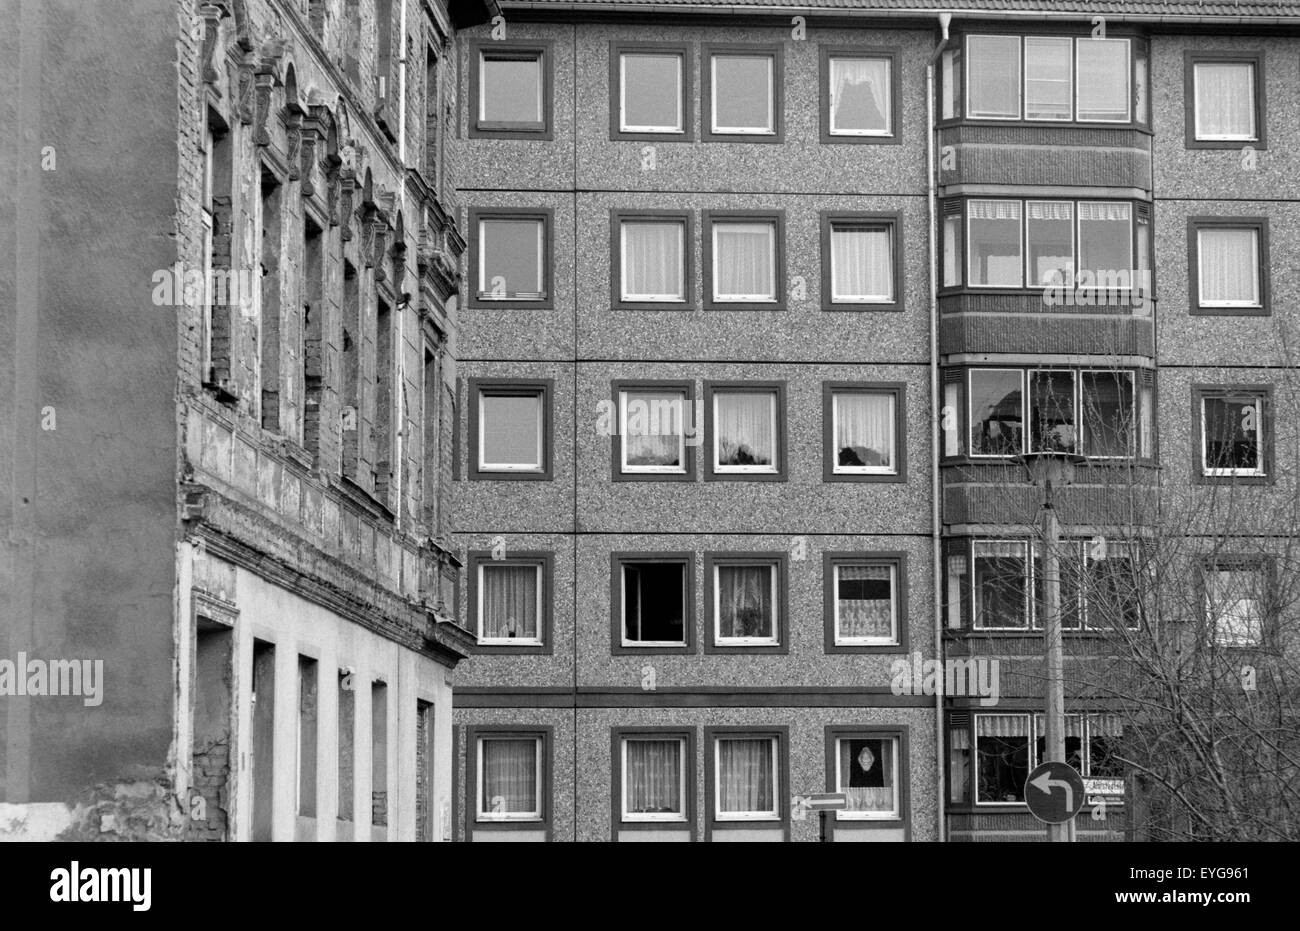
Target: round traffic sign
column 1054, row 792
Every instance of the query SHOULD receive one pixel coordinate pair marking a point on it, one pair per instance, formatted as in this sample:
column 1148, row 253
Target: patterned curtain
column 746, row 777
column 509, row 601
column 654, row 776
column 745, row 607
column 510, row 776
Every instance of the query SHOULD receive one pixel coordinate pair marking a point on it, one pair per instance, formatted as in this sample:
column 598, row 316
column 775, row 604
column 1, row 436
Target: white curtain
column 509, row 601
column 862, row 263
column 865, row 603
column 1002, row 725
column 744, row 261
column 745, row 775
column 858, row 784
column 654, row 776
column 652, row 260
column 860, row 95
column 1225, row 100
column 744, row 426
column 864, row 430
column 652, row 428
column 1103, row 66
column 745, row 607
column 1234, row 605
column 509, row 774
column 994, row 76
column 1229, row 263
column 1047, row 78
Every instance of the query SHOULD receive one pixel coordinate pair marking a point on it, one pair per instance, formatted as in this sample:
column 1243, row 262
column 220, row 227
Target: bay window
column 1042, row 79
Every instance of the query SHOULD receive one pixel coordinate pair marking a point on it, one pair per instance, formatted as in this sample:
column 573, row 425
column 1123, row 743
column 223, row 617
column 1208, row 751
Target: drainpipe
column 397, row 403
column 936, row 418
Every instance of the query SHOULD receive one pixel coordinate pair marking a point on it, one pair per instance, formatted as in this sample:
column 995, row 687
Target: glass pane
column 652, row 430
column 509, row 776
column 994, row 237
column 1232, row 435
column 951, row 250
column 1105, row 739
column 1073, row 740
column 1106, row 242
column 508, row 601
column 744, row 261
column 860, row 96
column 1235, row 596
column 1001, row 585
column 654, row 602
column 746, row 601
column 1228, row 267
column 1107, row 413
column 1225, row 100
column 742, row 93
column 746, row 775
column 994, row 77
column 864, row 602
column 744, row 430
column 866, row 774
column 510, row 429
column 510, row 266
column 1103, row 79
column 958, row 765
column 652, row 260
column 862, row 262
column 864, row 432
column 1069, row 569
column 1047, row 78
column 1114, row 595
column 996, row 413
column 1051, row 411
column 652, row 91
column 511, row 90
column 653, row 777
column 1002, row 756
column 1049, row 240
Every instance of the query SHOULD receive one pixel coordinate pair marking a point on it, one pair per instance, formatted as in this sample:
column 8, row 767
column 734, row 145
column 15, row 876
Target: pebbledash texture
column 666, row 369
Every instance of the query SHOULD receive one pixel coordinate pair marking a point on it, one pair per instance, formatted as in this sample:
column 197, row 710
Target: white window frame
column 484, row 802
column 1119, row 548
column 1200, row 266
column 1128, row 79
column 1252, row 104
column 836, row 468
column 775, row 813
column 1134, row 426
column 537, row 58
column 622, row 604
column 842, row 641
column 511, row 467
column 774, row 567
column 1023, row 84
column 624, row 468
column 1078, row 242
column 772, row 468
column 648, row 817
column 970, row 416
column 773, row 228
column 623, row 125
column 1027, row 556
column 966, row 84
column 846, row 225
column 1077, row 426
column 481, row 591
column 970, row 245
column 485, row 294
column 890, row 116
column 770, row 129
column 895, row 813
column 1031, row 749
column 1259, row 470
column 1216, row 619
column 624, row 294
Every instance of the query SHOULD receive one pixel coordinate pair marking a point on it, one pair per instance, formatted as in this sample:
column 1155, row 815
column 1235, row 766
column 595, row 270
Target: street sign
column 826, row 801
column 1054, row 792
column 1103, row 786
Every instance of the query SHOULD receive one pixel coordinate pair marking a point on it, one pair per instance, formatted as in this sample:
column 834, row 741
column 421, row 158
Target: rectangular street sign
column 1103, row 786
column 827, row 801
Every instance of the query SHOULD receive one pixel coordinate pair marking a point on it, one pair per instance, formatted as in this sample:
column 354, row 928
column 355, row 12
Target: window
column 993, row 237
column 1069, row 574
column 862, row 427
column 1001, row 580
column 1002, row 752
column 512, row 89
column 1108, row 414
column 746, row 779
column 509, row 604
column 509, row 778
column 654, row 600
column 747, row 598
column 864, row 600
column 1230, row 259
column 859, row 95
column 1224, row 99
column 1008, row 746
column 747, row 427
column 1234, row 602
column 511, row 254
column 1113, row 590
column 1053, row 426
column 652, row 430
column 744, row 258
column 1043, row 78
column 654, row 778
column 1074, row 726
column 1234, row 441
column 996, row 413
column 867, row 771
column 861, row 261
column 510, row 422
column 742, row 94
column 650, row 85
column 653, row 259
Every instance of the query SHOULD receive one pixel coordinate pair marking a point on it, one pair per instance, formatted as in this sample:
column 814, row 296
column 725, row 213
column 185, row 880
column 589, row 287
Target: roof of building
column 1138, row 9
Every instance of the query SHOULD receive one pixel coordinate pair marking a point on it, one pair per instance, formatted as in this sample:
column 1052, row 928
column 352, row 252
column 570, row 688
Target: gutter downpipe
column 936, row 420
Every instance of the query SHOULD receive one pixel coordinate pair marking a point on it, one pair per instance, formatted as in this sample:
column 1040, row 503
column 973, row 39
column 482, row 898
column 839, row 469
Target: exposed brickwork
column 210, row 792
